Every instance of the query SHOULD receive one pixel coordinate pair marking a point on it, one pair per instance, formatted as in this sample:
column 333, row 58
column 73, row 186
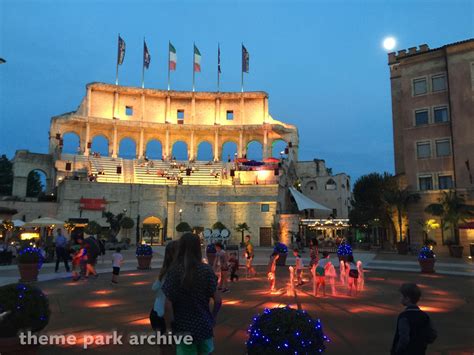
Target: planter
column 282, row 259
column 144, row 262
column 402, row 248
column 12, row 346
column 210, row 258
column 427, row 265
column 28, row 272
column 456, row 251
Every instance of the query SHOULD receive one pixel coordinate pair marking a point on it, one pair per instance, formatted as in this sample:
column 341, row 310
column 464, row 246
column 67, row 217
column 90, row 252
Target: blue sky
column 321, row 62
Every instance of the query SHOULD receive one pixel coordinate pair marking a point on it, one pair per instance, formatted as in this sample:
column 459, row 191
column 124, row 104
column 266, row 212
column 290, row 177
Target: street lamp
column 180, row 215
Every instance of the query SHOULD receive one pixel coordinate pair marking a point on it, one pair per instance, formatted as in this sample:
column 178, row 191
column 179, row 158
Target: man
column 61, row 254
column 414, row 330
column 93, row 251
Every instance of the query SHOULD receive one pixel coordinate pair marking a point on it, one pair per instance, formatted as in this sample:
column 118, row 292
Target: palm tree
column 452, row 210
column 242, row 228
column 400, row 199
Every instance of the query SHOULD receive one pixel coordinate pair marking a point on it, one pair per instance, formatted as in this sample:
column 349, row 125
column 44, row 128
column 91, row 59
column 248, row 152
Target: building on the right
column 433, row 131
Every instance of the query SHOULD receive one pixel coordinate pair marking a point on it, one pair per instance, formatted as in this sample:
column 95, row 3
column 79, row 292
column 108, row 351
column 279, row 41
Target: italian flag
column 197, row 59
column 172, row 58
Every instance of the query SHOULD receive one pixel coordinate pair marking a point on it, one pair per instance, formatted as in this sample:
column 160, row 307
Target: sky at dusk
column 321, row 62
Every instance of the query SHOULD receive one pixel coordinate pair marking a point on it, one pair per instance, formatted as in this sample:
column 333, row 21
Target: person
column 360, row 269
column 414, row 328
column 321, row 268
column 93, row 251
column 221, row 267
column 117, row 259
column 189, row 286
column 249, row 257
column 352, row 274
column 77, row 251
column 234, row 266
column 313, row 252
column 61, row 254
column 272, row 270
column 298, row 267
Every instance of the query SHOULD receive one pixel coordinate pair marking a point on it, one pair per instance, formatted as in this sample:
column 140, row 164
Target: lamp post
column 180, row 215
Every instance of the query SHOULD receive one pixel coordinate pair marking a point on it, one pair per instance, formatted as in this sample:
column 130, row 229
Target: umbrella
column 44, row 222
column 271, row 160
column 16, row 222
column 241, row 160
column 253, row 163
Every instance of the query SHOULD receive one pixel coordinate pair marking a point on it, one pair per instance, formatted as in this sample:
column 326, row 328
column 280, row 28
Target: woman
column 189, row 286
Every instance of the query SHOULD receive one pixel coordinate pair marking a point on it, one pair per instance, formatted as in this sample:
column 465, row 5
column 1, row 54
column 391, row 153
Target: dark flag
column 121, row 51
column 219, row 59
column 146, row 56
column 245, row 60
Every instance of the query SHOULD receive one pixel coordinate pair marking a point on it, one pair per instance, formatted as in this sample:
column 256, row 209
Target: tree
column 399, row 199
column 218, row 225
column 242, row 228
column 114, row 222
column 34, row 186
column 127, row 223
column 93, row 228
column 452, row 210
column 6, row 176
column 183, row 227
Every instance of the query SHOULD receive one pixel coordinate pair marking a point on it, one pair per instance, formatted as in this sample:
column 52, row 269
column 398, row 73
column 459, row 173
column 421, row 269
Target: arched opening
column 100, row 145
column 331, row 185
column 311, row 187
column 229, row 151
column 36, row 183
column 152, row 231
column 204, row 152
column 71, row 143
column 278, row 146
column 254, row 151
column 127, row 148
column 180, row 151
column 154, row 149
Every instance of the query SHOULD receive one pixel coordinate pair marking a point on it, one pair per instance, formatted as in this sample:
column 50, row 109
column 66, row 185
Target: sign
column 92, row 204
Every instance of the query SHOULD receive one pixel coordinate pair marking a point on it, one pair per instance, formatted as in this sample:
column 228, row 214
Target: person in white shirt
column 117, row 260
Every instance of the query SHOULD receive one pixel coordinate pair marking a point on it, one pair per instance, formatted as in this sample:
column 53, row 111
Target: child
column 221, row 267
column 321, row 273
column 271, row 270
column 76, row 262
column 414, row 329
column 117, row 259
column 234, row 267
column 352, row 274
column 298, row 267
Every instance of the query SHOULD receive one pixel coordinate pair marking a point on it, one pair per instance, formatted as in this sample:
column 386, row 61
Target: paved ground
column 361, row 325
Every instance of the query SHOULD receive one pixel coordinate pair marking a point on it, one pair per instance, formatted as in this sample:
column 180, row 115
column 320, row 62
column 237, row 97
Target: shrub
column 285, row 331
column 93, row 228
column 280, row 248
column 426, row 253
column 28, row 307
column 183, row 227
column 218, row 225
column 144, row 250
column 344, row 250
column 30, row 255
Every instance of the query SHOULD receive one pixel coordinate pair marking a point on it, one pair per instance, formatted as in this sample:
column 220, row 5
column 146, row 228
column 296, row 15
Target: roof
column 305, row 203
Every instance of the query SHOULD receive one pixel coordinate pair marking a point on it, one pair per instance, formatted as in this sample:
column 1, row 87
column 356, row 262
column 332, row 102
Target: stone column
column 193, row 109
column 192, row 154
column 143, row 106
column 168, row 108
column 167, row 144
column 241, row 144
column 216, row 145
column 265, row 144
column 89, row 101
column 140, row 144
column 242, row 110
column 116, row 111
column 265, row 110
column 217, row 113
column 86, row 146
column 114, row 143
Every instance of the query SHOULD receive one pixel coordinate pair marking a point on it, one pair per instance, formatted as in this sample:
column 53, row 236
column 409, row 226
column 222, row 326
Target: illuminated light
column 29, row 236
column 138, row 283
column 71, row 283
column 231, row 302
column 375, row 278
column 132, row 274
column 143, row 321
column 434, row 309
column 103, row 292
column 102, row 304
column 371, row 309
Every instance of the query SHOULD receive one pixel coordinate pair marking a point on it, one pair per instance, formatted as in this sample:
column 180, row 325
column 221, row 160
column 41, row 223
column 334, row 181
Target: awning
column 44, row 222
column 305, row 203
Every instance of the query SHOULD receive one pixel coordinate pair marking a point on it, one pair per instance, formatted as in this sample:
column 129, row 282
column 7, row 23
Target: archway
column 229, row 150
column 127, row 148
column 180, row 151
column 36, row 183
column 100, row 145
column 71, row 143
column 204, row 152
column 278, row 146
column 254, row 151
column 154, row 149
column 152, row 231
column 331, row 185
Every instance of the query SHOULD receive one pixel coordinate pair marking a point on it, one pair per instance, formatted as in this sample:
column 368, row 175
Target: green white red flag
column 172, row 57
column 197, row 59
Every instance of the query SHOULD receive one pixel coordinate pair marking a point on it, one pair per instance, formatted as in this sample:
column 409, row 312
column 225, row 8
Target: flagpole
column 242, row 78
column 194, row 46
column 143, row 65
column 118, row 51
column 169, row 42
column 218, row 66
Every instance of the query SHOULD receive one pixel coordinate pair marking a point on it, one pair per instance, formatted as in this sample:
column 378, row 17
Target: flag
column 172, row 58
column 197, row 59
column 146, row 56
column 219, row 58
column 245, row 60
column 121, row 51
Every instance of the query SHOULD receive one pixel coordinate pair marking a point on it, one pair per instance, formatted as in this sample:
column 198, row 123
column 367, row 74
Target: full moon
column 389, row 43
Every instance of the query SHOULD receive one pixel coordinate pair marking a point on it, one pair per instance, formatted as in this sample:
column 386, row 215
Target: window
column 331, row 185
column 440, row 114
column 419, row 86
column 423, row 150
column 129, row 110
column 421, row 117
column 197, row 208
column 180, row 116
column 334, row 213
column 443, row 148
column 230, row 115
column 438, row 82
column 264, row 207
column 426, row 183
column 445, row 182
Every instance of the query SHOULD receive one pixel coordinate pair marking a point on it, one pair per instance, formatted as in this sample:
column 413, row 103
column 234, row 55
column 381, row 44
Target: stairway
column 128, row 171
